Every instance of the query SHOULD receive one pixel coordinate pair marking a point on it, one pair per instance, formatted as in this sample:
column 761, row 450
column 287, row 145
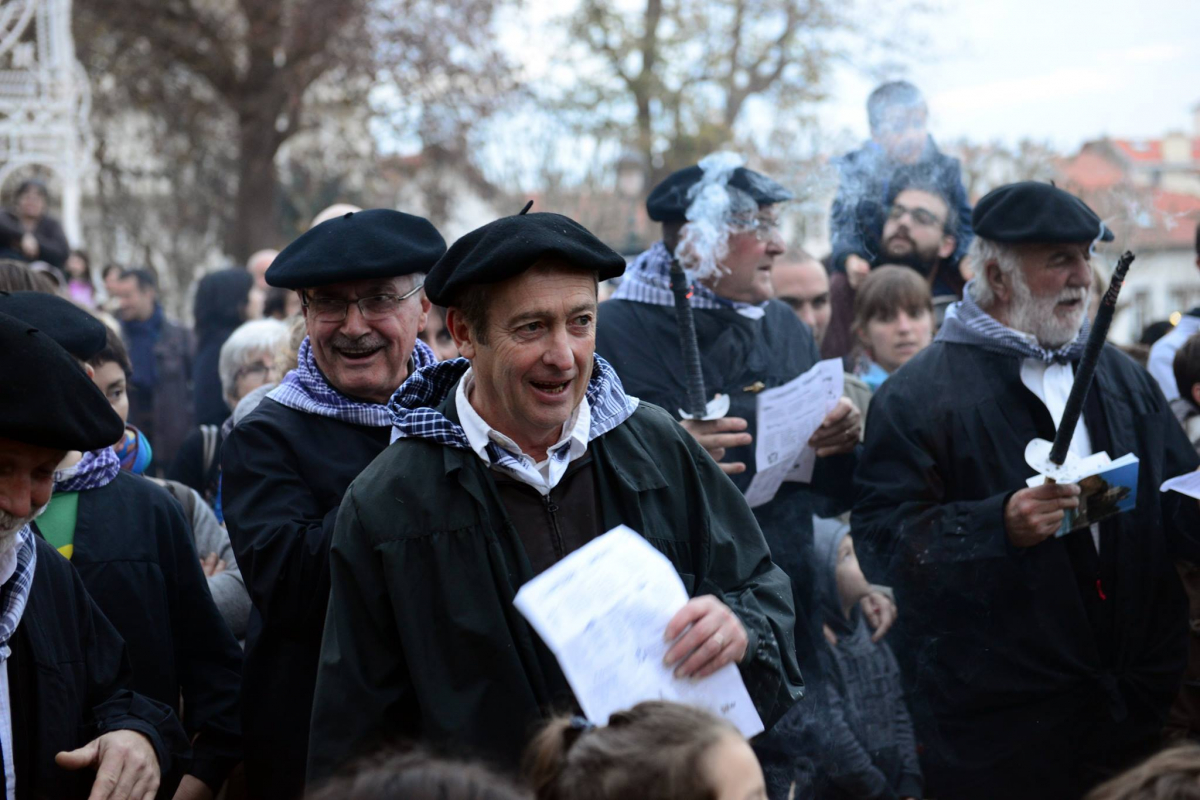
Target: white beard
column 10, row 526
column 1035, row 315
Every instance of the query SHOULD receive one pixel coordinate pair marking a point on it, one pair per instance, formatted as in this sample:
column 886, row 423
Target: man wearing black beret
column 748, row 341
column 67, row 704
column 286, row 466
column 504, row 462
column 1036, row 664
column 130, row 543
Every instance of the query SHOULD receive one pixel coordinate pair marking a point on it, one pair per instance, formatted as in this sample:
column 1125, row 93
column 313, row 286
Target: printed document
column 603, row 611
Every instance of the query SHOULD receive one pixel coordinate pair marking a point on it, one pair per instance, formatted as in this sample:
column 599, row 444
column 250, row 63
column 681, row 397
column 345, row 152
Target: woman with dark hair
column 893, row 319
column 224, row 300
column 80, row 286
column 27, row 232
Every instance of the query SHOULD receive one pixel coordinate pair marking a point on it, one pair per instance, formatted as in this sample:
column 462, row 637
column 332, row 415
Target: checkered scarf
column 15, row 592
column 415, row 416
column 97, row 468
column 306, row 389
column 648, row 280
column 967, row 323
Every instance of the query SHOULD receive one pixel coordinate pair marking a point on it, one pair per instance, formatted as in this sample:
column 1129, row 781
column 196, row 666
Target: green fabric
column 57, row 522
column 422, row 638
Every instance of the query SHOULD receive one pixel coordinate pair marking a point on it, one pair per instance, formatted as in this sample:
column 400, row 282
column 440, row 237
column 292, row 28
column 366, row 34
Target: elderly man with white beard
column 1035, row 664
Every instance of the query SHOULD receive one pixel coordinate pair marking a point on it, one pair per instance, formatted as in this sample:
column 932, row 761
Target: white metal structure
column 44, row 99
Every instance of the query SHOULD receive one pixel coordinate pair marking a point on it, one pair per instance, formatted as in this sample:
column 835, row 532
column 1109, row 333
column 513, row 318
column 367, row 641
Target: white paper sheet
column 788, row 416
column 603, row 610
column 1188, row 483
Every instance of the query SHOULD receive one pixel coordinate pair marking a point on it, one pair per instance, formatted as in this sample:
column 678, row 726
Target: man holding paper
column 754, row 351
column 1036, row 664
column 504, row 462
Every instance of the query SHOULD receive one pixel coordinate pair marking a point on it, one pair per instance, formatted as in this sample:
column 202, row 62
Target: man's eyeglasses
column 765, row 227
column 919, row 216
column 380, row 306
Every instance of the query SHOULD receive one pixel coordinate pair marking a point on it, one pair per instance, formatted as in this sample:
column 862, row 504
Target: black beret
column 75, row 330
column 1036, row 212
column 361, row 245
column 510, row 245
column 669, row 201
column 46, row 398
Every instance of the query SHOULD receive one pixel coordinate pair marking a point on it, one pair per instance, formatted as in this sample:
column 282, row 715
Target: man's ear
column 946, row 248
column 461, row 332
column 425, row 306
column 995, row 279
column 1196, row 394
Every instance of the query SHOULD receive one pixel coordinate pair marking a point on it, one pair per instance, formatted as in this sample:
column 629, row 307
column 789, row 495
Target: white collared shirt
column 1051, row 383
column 543, row 475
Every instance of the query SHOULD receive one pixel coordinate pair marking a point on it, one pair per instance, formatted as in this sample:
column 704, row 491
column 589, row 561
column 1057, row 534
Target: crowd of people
column 273, row 554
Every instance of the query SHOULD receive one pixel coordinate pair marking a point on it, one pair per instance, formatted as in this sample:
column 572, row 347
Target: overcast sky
column 1050, row 70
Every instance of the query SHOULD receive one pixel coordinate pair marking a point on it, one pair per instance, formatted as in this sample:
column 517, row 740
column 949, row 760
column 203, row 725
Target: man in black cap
column 64, row 676
column 287, row 464
column 504, row 462
column 748, row 342
column 1035, row 663
column 130, row 543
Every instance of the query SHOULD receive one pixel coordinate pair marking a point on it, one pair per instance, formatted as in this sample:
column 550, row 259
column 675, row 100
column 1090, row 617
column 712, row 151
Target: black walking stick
column 695, row 404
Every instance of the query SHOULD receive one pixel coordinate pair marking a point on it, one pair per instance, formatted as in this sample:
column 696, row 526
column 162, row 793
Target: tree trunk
column 256, row 209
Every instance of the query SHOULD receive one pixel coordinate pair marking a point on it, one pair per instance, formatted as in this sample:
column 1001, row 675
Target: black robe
column 1031, row 671
column 424, row 641
column 135, row 555
column 69, row 682
column 284, row 474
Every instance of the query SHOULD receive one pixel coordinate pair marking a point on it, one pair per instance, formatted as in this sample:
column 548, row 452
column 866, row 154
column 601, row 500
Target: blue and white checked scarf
column 414, row 415
column 97, row 468
column 967, row 323
column 15, row 592
column 648, row 280
column 306, row 389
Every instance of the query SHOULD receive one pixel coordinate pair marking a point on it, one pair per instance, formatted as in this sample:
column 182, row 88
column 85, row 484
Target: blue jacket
column 856, row 220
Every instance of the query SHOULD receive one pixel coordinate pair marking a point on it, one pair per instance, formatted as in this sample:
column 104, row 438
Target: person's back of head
column 417, row 776
column 1173, row 774
column 221, row 300
column 655, row 750
column 16, row 276
column 1187, row 370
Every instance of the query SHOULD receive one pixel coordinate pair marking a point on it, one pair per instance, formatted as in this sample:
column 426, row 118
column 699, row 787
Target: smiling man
column 1036, row 664
column 505, row 461
column 287, row 464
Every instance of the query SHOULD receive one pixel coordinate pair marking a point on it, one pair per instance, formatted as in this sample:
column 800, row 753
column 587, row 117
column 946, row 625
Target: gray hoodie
column 866, row 746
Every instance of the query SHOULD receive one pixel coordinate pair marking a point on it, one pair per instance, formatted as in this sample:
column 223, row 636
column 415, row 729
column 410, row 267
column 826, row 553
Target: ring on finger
column 720, row 640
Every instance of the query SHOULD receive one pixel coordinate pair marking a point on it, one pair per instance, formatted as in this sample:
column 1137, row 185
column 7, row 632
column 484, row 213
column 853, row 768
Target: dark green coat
column 422, row 640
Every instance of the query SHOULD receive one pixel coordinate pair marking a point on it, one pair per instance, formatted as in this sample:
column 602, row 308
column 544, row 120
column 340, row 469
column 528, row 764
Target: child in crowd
column 417, row 776
column 654, row 751
column 893, row 319
column 866, row 747
column 1187, row 378
column 112, row 370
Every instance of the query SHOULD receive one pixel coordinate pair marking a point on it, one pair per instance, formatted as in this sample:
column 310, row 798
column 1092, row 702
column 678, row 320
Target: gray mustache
column 359, row 345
